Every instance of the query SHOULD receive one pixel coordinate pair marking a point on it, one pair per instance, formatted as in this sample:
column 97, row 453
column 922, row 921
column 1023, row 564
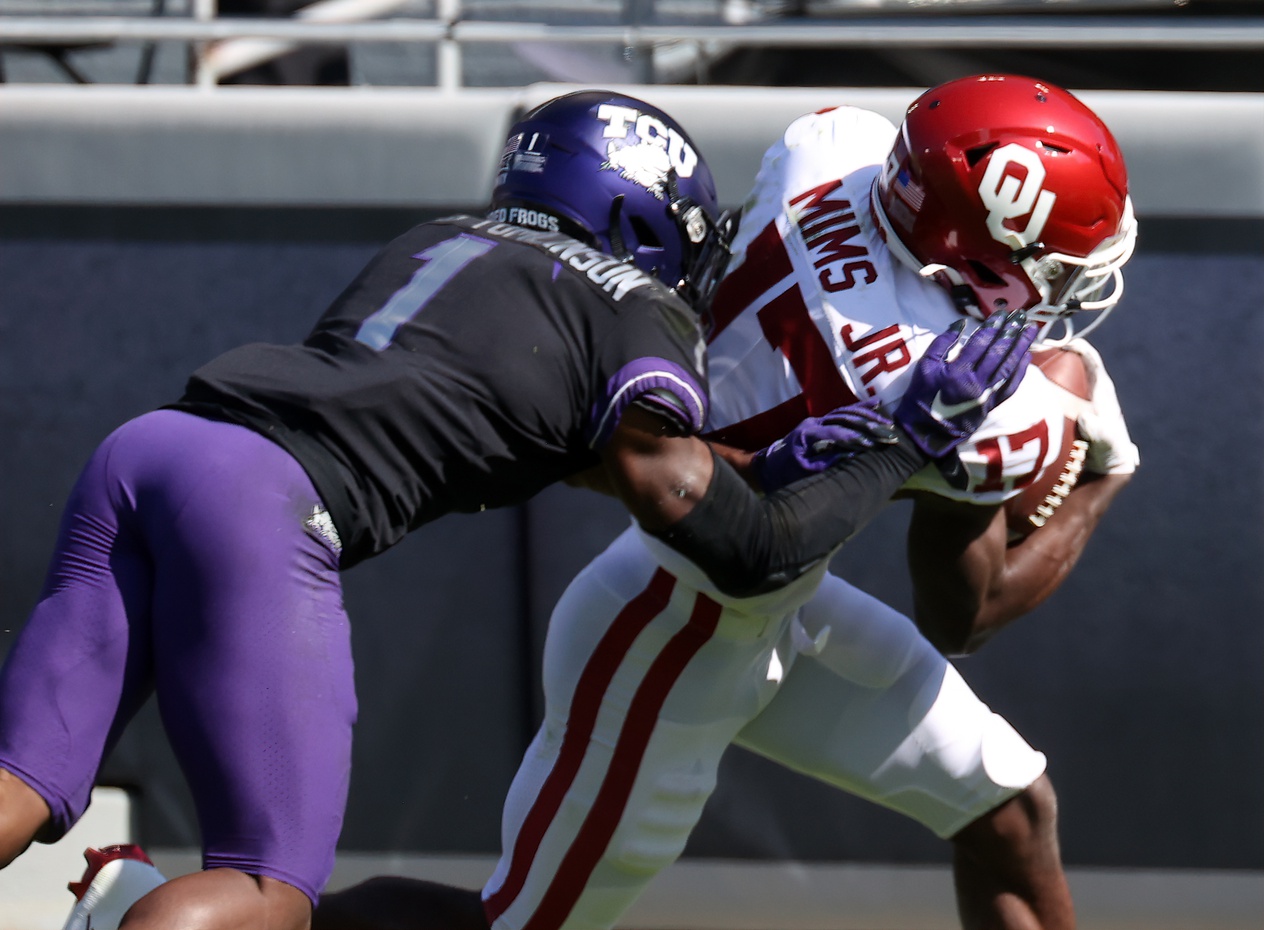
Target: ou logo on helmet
column 1007, row 197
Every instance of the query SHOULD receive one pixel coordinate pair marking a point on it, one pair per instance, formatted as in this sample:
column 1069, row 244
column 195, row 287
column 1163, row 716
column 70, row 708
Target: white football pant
column 647, row 682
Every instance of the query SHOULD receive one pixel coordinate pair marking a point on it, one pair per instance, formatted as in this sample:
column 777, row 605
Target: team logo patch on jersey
column 642, row 148
column 320, row 523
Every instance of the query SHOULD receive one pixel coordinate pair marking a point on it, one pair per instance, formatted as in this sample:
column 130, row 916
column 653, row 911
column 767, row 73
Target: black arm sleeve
column 748, row 545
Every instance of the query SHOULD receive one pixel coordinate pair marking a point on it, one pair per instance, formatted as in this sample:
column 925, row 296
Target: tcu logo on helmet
column 658, row 149
column 1007, row 196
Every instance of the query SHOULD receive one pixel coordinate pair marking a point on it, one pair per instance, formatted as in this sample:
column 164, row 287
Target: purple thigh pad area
column 195, row 562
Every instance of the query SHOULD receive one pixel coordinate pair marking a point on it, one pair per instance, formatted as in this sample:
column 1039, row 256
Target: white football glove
column 1111, row 450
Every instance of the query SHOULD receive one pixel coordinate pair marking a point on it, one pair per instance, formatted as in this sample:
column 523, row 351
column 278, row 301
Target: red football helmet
column 1012, row 194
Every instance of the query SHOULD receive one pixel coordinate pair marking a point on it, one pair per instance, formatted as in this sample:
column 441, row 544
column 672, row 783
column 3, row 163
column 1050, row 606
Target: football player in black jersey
column 472, row 363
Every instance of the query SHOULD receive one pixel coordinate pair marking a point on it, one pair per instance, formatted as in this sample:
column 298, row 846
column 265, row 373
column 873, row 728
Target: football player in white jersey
column 858, row 244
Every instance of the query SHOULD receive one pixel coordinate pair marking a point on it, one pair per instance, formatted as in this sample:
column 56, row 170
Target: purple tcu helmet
column 622, row 175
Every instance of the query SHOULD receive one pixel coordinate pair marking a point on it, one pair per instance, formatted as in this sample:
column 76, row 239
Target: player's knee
column 1035, row 811
column 287, row 908
column 1023, row 827
column 653, row 837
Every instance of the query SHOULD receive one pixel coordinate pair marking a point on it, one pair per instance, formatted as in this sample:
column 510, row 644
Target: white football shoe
column 115, row 879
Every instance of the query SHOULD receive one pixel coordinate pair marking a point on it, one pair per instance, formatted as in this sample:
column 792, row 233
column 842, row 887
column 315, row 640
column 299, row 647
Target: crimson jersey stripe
column 788, row 327
column 766, row 264
column 589, row 690
column 607, row 809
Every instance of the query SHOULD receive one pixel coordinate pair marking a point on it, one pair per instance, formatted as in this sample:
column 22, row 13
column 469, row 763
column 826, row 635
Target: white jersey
column 816, row 312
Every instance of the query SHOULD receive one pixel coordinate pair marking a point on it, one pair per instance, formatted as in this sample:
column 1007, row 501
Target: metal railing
column 223, row 45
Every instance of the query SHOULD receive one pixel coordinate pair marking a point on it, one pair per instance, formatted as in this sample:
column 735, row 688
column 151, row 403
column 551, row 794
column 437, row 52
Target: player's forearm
column 682, row 491
column 1038, row 565
column 748, row 545
column 969, row 583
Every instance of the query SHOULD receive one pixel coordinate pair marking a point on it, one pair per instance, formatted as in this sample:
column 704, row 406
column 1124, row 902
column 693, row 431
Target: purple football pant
column 187, row 566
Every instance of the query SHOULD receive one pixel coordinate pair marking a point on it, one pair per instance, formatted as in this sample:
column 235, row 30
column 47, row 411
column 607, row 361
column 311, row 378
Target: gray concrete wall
column 1189, row 154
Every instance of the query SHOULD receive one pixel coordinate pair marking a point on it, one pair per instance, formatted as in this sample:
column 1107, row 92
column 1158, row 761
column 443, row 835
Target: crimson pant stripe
column 586, row 702
column 612, row 798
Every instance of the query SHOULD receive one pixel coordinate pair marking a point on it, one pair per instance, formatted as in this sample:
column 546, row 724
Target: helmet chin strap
column 965, row 300
column 963, row 296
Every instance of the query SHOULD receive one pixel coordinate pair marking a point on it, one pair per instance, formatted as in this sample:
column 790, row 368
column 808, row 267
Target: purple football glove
column 819, row 442
column 948, row 398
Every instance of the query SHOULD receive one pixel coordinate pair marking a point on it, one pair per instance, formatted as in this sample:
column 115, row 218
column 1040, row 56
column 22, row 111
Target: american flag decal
column 909, row 190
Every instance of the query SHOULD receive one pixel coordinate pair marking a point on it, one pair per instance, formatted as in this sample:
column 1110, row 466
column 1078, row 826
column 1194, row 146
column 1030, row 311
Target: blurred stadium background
column 177, row 177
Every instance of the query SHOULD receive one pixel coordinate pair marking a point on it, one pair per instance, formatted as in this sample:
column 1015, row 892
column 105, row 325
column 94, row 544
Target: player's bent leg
column 221, row 899
column 1007, row 866
column 80, row 666
column 646, row 682
column 905, row 731
column 254, row 675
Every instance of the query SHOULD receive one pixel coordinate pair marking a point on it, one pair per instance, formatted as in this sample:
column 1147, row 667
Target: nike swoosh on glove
column 957, row 383
column 820, row 442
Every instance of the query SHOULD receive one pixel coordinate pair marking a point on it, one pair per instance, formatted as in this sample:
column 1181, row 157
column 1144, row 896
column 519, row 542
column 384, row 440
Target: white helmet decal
column 658, row 148
column 1007, row 198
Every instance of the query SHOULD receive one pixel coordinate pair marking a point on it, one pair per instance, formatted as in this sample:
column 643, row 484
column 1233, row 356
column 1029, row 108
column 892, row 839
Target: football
column 1032, row 507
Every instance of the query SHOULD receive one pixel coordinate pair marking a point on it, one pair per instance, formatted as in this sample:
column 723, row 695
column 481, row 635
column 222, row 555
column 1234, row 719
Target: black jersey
column 470, row 365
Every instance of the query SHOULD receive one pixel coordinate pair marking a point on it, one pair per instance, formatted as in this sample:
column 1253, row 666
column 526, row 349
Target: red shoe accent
column 99, row 857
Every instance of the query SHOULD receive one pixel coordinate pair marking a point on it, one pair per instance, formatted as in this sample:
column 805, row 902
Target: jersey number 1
column 441, row 263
